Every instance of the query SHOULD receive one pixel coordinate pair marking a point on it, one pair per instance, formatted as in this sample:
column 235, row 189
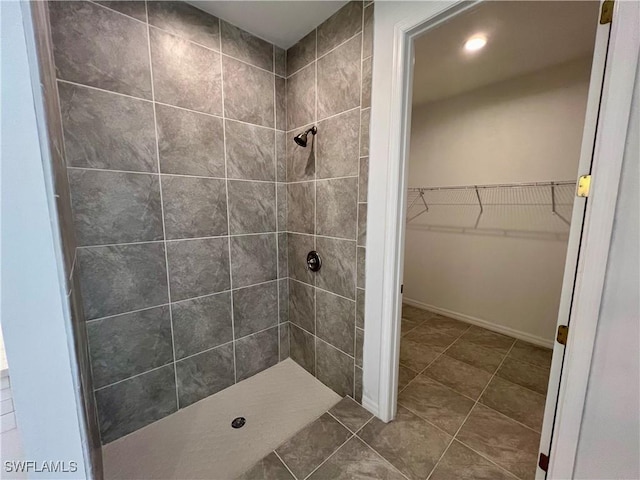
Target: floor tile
column 525, row 374
column 414, row 313
column 461, row 377
column 269, row 468
column 436, row 403
column 530, row 353
column 350, row 414
column 408, row 442
column 519, row 403
column 501, row 439
column 462, row 463
column 405, row 375
column 356, row 461
column 445, row 325
column 436, row 340
column 308, row 448
column 480, row 357
column 408, row 324
column 487, row 338
column 415, row 355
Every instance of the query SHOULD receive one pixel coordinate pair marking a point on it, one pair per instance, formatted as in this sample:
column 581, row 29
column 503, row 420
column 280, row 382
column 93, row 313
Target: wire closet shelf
column 551, row 194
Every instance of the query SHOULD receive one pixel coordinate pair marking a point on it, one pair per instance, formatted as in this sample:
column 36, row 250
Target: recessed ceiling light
column 475, row 43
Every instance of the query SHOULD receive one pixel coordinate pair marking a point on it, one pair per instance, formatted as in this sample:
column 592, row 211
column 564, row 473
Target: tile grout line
column 275, row 168
column 164, row 229
column 283, row 463
column 315, row 206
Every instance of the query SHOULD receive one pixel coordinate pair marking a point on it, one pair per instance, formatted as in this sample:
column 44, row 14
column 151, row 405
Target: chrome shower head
column 301, row 138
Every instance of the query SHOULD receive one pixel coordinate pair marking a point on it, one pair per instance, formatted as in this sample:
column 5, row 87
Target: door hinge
column 543, row 462
column 584, row 186
column 606, row 14
column 563, row 333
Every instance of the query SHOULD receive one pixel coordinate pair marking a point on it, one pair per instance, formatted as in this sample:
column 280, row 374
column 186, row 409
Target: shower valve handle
column 313, row 261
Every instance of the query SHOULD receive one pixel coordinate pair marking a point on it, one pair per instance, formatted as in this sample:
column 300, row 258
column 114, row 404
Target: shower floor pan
column 198, row 442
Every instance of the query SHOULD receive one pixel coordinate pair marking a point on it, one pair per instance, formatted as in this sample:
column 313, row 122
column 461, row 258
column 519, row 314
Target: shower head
column 301, row 138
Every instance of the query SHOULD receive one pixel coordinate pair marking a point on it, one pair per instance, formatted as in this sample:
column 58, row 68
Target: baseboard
column 524, row 336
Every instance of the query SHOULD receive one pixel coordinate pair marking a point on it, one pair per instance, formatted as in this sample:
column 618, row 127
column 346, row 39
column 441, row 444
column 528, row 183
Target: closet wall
column 329, row 85
column 525, row 129
column 171, row 119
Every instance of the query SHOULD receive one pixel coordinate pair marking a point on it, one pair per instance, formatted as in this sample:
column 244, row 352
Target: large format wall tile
column 363, row 179
column 194, row 207
column 335, row 369
column 252, row 207
column 281, row 156
column 336, row 320
column 136, row 402
column 301, row 97
column 338, row 272
column 342, row 25
column 338, row 145
column 339, row 79
column 284, row 341
column 101, row 48
column 248, row 93
column 283, row 295
column 255, row 308
column 185, row 74
column 190, row 143
column 198, row 267
column 302, row 53
column 186, row 21
column 299, row 246
column 134, row 8
column 204, row 374
column 201, row 323
column 364, row 132
column 254, row 259
column 300, row 161
column 256, row 353
column 367, row 33
column 280, row 61
column 302, row 305
column 302, row 348
column 129, row 344
column 121, row 278
column 282, row 211
column 281, row 103
column 366, row 82
column 283, row 261
column 244, row 46
column 113, row 207
column 301, row 207
column 105, row 130
column 250, row 151
column 337, row 207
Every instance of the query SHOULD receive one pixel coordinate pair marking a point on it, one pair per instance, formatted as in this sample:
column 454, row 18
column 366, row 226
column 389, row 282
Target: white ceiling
column 282, row 23
column 523, row 37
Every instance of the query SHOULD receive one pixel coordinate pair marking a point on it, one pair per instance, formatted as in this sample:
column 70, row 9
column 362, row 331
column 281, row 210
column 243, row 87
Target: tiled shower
column 192, row 208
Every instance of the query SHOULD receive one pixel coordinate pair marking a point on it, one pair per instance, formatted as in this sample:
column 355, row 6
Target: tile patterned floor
column 470, row 406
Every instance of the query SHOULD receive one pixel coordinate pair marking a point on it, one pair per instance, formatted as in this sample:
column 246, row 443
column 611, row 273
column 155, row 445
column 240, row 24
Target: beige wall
column 508, row 271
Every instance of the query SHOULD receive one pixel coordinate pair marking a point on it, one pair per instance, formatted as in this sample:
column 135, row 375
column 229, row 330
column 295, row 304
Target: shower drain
column 238, row 422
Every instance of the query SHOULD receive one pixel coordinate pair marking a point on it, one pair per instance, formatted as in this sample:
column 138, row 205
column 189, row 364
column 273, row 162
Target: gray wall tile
column 252, row 207
column 302, row 305
column 201, row 323
column 360, row 296
column 255, row 308
column 281, row 156
column 121, row 278
column 364, row 132
column 104, row 130
column 337, row 207
column 336, row 320
column 253, row 259
column 113, row 207
column 204, row 374
column 363, row 179
column 299, row 246
column 190, row 143
column 359, row 346
column 302, row 53
column 250, row 151
column 283, row 258
column 186, row 21
column 281, row 193
column 301, row 161
column 198, row 267
column 129, row 405
column 335, row 369
column 302, row 348
column 248, row 93
column 284, row 341
column 362, row 224
column 244, row 46
column 340, row 26
column 367, row 34
column 133, row 8
column 301, row 97
column 185, row 74
column 129, row 344
column 283, row 292
column 301, row 204
column 256, row 353
column 361, row 266
column 357, row 387
column 338, row 144
column 339, row 79
column 194, row 207
column 280, row 61
column 101, row 48
column 338, row 270
column 281, row 103
column 366, row 82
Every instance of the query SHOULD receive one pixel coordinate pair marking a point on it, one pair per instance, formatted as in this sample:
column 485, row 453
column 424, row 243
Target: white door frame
column 395, row 26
